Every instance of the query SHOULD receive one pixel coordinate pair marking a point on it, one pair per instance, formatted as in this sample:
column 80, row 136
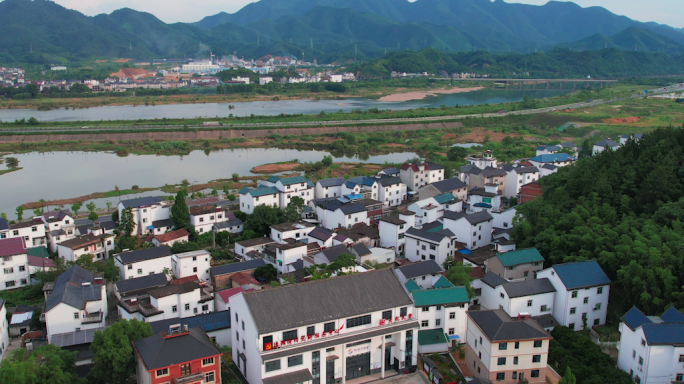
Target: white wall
column 415, row 251
column 146, row 267
column 4, row 332
column 503, row 219
column 392, row 195
column 195, row 263
column 321, row 192
column 61, row 318
column 247, row 202
column 660, row 362
column 491, row 299
column 14, row 269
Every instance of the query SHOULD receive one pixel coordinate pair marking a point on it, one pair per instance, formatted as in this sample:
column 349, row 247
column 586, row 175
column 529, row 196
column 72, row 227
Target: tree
column 126, row 223
column 459, row 274
column 91, row 207
column 11, row 162
column 448, row 263
column 457, row 153
column 118, row 191
column 294, row 209
column 226, row 188
column 248, row 234
column 231, row 197
column 93, row 216
column 114, row 359
column 3, row 215
column 79, row 88
column 568, row 378
column 179, row 210
column 327, row 160
column 37, row 212
column 262, row 218
column 20, row 213
column 46, row 364
column 115, row 216
column 75, row 207
column 110, row 270
column 266, row 272
column 109, row 205
column 235, row 177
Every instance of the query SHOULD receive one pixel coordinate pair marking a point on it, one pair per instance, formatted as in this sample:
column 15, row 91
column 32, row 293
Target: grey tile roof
column 391, row 171
column 334, row 298
column 162, row 223
column 582, row 274
column 436, row 237
column 3, row 224
column 498, row 326
column 568, row 145
column 668, row 331
column 489, row 171
column 428, row 267
column 228, row 224
column 301, row 376
column 141, row 283
column 212, row 321
column 392, row 220
column 361, row 249
column 237, row 267
column 387, row 181
column 321, row 233
column 435, row 166
column 528, row 287
column 352, row 208
column 549, row 166
column 471, row 168
column 607, row 143
column 449, row 185
column 474, row 218
column 144, row 254
column 141, row 201
column 69, row 290
column 523, row 170
column 546, row 321
column 157, row 352
column 332, row 182
column 493, row 280
column 333, row 253
column 255, row 241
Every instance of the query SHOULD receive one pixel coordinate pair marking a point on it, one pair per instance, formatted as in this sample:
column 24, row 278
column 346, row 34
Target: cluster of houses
column 11, row 76
column 372, row 318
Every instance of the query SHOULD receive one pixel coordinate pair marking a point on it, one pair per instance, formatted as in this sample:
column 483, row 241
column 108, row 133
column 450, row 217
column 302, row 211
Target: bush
column 336, row 87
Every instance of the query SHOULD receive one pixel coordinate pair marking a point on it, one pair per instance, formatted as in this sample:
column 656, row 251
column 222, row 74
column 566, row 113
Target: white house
column 532, row 297
column 556, row 159
column 342, row 337
column 424, row 273
column 365, row 186
column 283, row 256
column 547, row 169
column 427, row 211
column 4, row 330
column 486, row 160
column 262, row 195
column 193, row 263
column 322, row 236
column 33, row 232
column 504, row 219
column 265, row 80
column 454, row 186
column 98, row 246
column 76, row 302
column 145, row 211
column 602, row 145
column 242, row 248
column 296, row 231
column 581, row 293
column 222, row 298
column 487, row 199
column 332, row 216
column 423, row 245
column 521, row 264
column 329, row 187
column 392, row 191
column 60, row 226
column 547, row 149
column 170, row 238
column 330, row 255
column 416, row 175
column 298, row 186
column 15, row 268
column 143, row 262
column 516, row 177
column 393, row 230
column 651, row 348
column 206, row 217
column 474, row 230
column 635, row 137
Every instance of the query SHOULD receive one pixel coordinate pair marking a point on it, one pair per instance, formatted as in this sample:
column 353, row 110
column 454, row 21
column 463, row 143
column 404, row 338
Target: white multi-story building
column 487, row 199
column 547, row 149
column 98, row 246
column 531, row 297
column 279, row 336
column 15, row 268
column 265, row 80
column 76, row 302
column 60, row 226
column 423, row 273
column 582, row 290
column 298, row 186
column 296, row 231
column 602, row 145
column 506, row 350
column 334, row 216
column 329, row 187
column 474, row 230
column 193, row 263
column 146, row 211
column 516, row 177
column 262, row 195
column 365, row 186
column 32, row 231
column 206, row 218
column 392, row 191
column 416, row 175
column 486, row 160
column 423, row 245
column 143, row 262
column 427, row 210
column 393, row 230
column 651, row 348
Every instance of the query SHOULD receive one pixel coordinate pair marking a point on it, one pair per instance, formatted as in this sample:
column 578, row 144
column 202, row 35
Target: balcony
column 143, row 306
column 90, row 318
column 197, row 376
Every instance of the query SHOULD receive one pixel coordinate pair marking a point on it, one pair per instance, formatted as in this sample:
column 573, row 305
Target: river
column 61, row 175
column 270, row 108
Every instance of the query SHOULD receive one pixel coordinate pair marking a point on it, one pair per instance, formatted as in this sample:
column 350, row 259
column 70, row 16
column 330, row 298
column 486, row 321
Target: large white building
column 486, row 160
column 148, row 213
column 32, row 231
column 15, row 268
column 308, row 333
column 531, row 297
column 651, row 348
column 76, row 302
column 393, row 230
column 143, row 262
column 516, row 177
column 206, row 218
column 423, row 245
column 392, row 191
column 474, row 230
column 98, row 246
column 416, row 175
column 60, row 226
column 582, row 290
column 329, row 187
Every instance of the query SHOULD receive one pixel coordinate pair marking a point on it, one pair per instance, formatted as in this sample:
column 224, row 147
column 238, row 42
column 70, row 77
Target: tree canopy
column 114, row 357
column 46, row 364
column 179, row 211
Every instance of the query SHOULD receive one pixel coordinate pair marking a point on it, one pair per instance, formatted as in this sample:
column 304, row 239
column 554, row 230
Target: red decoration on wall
column 318, row 335
column 268, row 346
column 410, row 315
column 382, row 321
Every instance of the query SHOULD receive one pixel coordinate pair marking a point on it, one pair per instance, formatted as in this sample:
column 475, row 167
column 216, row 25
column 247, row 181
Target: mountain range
column 41, row 31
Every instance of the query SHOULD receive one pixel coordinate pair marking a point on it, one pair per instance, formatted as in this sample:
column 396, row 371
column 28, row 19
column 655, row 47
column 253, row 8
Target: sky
column 662, row 11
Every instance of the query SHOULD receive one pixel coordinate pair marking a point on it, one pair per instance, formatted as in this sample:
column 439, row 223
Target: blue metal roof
column 294, row 180
column 552, row 158
column 445, row 198
column 273, row 179
column 635, row 318
column 672, row 315
column 582, row 274
column 664, row 334
column 482, row 205
column 212, row 321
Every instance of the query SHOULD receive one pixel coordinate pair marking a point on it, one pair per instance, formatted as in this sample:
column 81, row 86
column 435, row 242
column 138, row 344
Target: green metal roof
column 294, row 180
column 263, row 191
column 445, row 198
column 440, row 296
column 273, row 179
column 431, row 336
column 443, row 283
column 522, row 256
column 38, row 252
column 411, row 286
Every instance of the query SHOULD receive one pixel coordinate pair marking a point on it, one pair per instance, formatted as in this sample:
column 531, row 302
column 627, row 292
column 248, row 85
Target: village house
column 506, row 350
column 333, row 215
column 365, row 186
column 215, row 324
column 258, row 244
column 474, row 230
column 547, row 150
column 486, row 160
column 423, row 245
column 393, row 230
column 322, row 236
column 222, row 298
column 602, row 145
column 391, row 172
column 358, row 233
column 426, row 211
column 77, row 301
column 416, row 175
column 262, row 195
column 329, row 187
column 290, row 187
column 423, row 273
column 330, row 255
column 529, row 192
column 206, row 218
column 146, row 211
column 32, row 231
column 98, row 246
column 635, row 137
column 179, row 355
column 170, row 238
column 143, row 262
column 650, row 347
column 283, row 256
column 516, row 177
column 528, row 298
column 545, row 170
column 582, row 290
column 296, row 231
column 454, row 186
column 60, row 226
column 367, row 335
column 193, row 263
column 522, row 264
column 556, row 160
column 392, row 191
column 221, row 275
column 14, row 263
column 487, row 199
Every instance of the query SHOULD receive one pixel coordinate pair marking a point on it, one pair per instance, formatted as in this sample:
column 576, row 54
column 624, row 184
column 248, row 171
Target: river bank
column 419, row 95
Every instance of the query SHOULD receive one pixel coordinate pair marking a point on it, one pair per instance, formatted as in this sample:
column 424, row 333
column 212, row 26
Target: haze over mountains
column 41, row 31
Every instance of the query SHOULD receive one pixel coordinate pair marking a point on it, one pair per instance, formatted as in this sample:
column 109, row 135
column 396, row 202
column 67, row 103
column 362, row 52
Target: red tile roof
column 477, row 273
column 36, row 261
column 226, row 294
column 184, row 280
column 11, row 247
column 241, row 278
column 165, row 238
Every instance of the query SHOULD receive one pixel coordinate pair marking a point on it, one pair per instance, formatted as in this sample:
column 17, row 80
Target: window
column 502, row 295
column 130, row 266
column 209, row 377
column 501, row 376
column 596, row 321
column 294, row 361
column 503, row 346
column 480, row 339
column 358, row 321
column 174, row 309
column 586, row 300
column 9, row 284
column 451, row 331
column 139, row 271
column 452, row 315
column 8, row 271
column 599, row 290
column 76, row 315
column 424, row 323
column 643, row 342
column 574, row 294
column 571, row 326
column 515, row 360
column 290, row 335
column 426, row 309
column 327, row 327
column 162, row 372
column 536, row 358
column 537, row 343
column 23, row 281
column 439, row 307
column 15, row 233
column 187, row 307
column 438, row 322
column 597, row 307
column 517, row 345
column 514, row 375
column 543, row 308
column 237, row 336
column 573, row 310
column 534, row 373
column 272, row 365
column 641, row 360
column 403, row 311
column 680, row 377
column 387, row 315
column 637, row 379
column 529, row 303
column 207, row 361
column 681, row 358
column 185, row 369
column 633, row 354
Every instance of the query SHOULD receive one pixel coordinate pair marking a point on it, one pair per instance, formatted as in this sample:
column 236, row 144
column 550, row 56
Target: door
column 358, row 366
column 330, row 372
column 396, row 364
column 388, row 358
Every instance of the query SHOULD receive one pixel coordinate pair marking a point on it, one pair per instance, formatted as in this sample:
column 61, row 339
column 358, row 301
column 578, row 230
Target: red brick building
column 529, row 192
column 179, row 355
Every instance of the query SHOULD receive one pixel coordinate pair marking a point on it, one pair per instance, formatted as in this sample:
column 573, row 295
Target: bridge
column 534, row 82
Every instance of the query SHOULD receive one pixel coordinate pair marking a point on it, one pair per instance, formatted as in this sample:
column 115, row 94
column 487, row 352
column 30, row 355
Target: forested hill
column 625, row 209
column 630, row 39
column 556, row 63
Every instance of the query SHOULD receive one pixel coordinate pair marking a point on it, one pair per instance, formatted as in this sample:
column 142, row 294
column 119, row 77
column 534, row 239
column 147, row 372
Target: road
column 418, row 120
